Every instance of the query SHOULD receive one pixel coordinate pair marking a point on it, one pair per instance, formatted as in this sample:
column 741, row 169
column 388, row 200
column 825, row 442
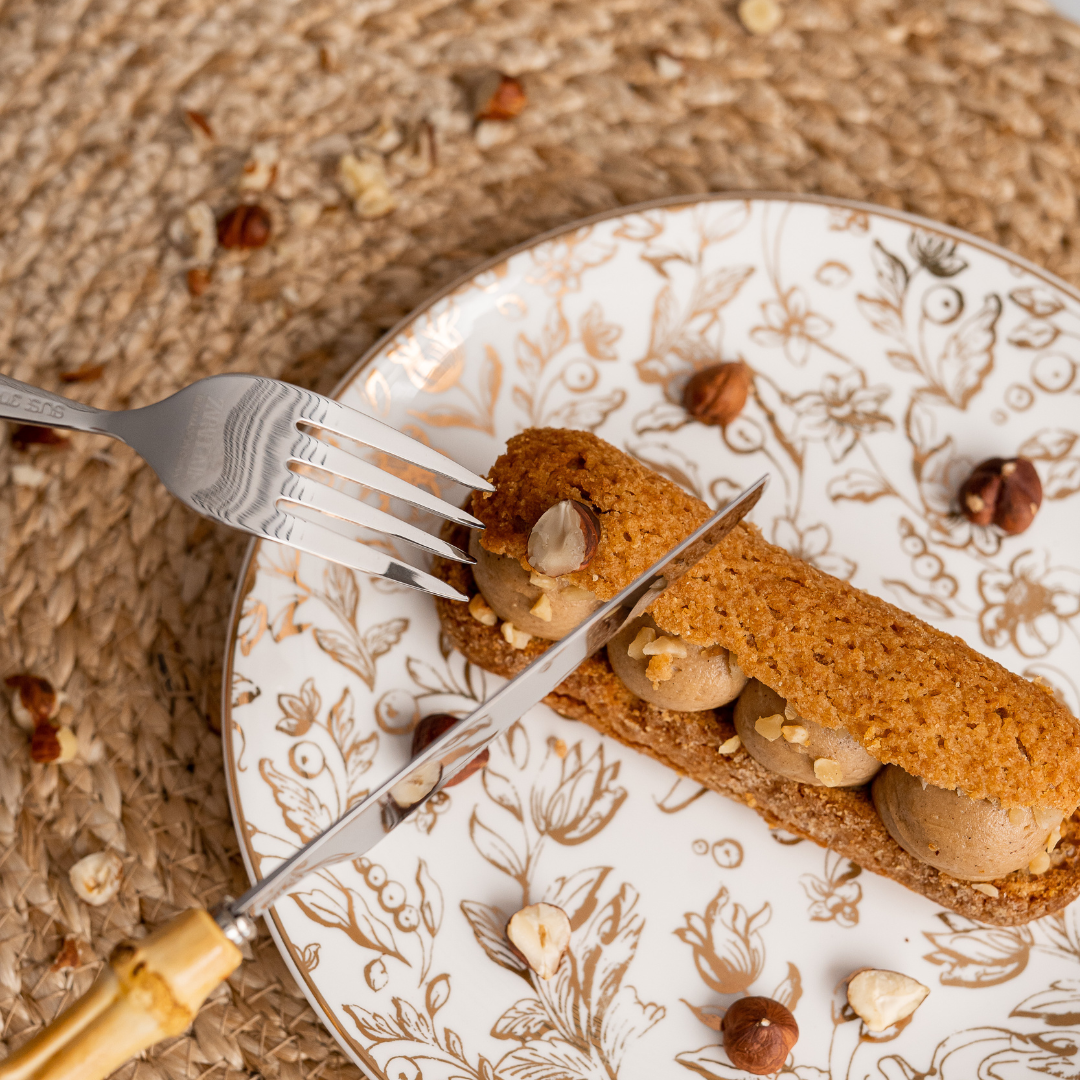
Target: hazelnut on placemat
column 759, row 1034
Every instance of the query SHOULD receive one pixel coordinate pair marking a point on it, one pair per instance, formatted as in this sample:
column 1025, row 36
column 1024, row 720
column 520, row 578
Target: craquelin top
column 913, row 695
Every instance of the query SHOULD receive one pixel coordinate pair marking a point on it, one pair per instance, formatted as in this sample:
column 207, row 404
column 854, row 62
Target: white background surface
column 1069, row 7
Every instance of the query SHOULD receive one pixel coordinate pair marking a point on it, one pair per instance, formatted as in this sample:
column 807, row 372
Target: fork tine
column 309, row 491
column 340, row 419
column 327, row 544
column 322, row 455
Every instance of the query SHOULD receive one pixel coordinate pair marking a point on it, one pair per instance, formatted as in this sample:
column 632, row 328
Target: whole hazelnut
column 564, row 539
column 717, row 394
column 430, row 728
column 1002, row 491
column 759, row 1034
column 245, row 226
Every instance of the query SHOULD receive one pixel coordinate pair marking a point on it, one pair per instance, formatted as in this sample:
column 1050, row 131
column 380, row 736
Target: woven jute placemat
column 116, row 118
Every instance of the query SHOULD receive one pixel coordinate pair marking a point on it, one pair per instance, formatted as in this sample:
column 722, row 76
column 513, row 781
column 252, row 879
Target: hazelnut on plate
column 1005, row 492
column 883, row 998
column 429, row 729
column 540, row 935
column 759, row 1034
column 717, row 394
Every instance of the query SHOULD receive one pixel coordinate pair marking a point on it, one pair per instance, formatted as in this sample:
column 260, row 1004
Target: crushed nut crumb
column 729, row 746
column 366, row 183
column 481, row 611
column 515, row 638
column 769, row 727
column 986, row 889
column 542, row 608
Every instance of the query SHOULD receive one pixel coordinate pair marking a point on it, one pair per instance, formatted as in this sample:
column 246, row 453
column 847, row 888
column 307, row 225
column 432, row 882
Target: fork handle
column 27, row 404
column 151, row 990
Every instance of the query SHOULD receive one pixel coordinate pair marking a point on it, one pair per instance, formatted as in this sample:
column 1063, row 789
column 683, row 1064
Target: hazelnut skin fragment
column 759, row 1034
column 717, row 394
column 1005, row 492
column 245, row 226
column 429, row 729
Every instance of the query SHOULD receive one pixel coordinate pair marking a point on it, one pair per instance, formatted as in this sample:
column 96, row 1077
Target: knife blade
column 372, row 819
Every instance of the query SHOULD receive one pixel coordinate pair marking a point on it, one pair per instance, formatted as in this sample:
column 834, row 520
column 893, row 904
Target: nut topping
column 636, row 649
column 96, row 879
column 717, row 394
column 795, row 733
column 759, row 1034
column 429, row 729
column 729, row 746
column 828, row 772
column 564, row 539
column 540, row 935
column 1005, row 492
column 883, row 998
column 769, row 727
column 515, row 638
column 481, row 611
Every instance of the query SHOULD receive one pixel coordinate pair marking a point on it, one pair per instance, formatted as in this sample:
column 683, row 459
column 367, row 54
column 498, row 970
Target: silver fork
column 230, row 447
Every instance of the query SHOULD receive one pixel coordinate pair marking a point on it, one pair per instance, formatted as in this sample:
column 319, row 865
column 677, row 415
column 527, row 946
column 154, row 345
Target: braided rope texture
column 964, row 110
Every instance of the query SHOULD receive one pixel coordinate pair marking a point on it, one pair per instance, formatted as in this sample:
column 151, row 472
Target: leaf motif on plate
column 670, row 462
column 789, row 989
column 586, row 413
column 1050, row 444
column 304, row 812
column 437, row 994
column 597, row 335
column 1034, row 334
column 1058, row 1007
column 577, row 894
column 975, row 955
column 524, row 1021
column 925, row 604
column 1037, row 301
column 341, row 908
column 489, row 928
column 1062, row 479
column 495, row 849
column 892, row 274
column 357, row 750
column 710, row 1062
column 431, row 899
column 729, row 952
column 968, row 355
column 860, row 485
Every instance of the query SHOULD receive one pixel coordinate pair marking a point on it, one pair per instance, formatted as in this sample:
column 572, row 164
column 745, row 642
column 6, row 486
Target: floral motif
column 572, row 800
column 812, row 545
column 835, row 896
column 728, row 949
column 1029, row 604
column 790, row 324
column 844, row 409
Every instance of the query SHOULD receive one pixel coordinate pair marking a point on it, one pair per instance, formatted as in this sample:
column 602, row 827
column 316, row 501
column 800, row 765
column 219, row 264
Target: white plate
column 890, row 355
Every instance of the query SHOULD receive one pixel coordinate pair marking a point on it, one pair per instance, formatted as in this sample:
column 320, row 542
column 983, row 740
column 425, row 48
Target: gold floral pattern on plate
column 889, row 355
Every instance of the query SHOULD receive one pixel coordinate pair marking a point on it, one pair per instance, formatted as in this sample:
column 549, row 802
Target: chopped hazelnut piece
column 366, row 183
column 515, row 638
column 760, row 16
column 729, row 746
column 96, row 878
column 635, row 650
column 260, row 169
column 987, row 889
column 542, row 608
column 543, row 581
column 828, row 772
column 1017, row 816
column 1040, row 864
column 540, row 935
column 664, row 646
column 769, row 727
column 202, row 228
column 795, row 733
column 883, row 998
column 481, row 611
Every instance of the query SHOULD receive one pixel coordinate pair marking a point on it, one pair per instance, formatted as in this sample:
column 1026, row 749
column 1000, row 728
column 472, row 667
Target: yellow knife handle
column 151, row 990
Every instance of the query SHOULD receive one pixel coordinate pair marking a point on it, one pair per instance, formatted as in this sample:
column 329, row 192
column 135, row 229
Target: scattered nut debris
column 198, row 280
column 245, row 226
column 23, row 436
column 261, row 167
column 540, row 935
column 759, row 1034
column 429, row 729
column 729, row 746
column 84, row 373
column 305, row 212
column 51, row 745
column 366, row 183
column 717, row 394
column 417, row 785
column 382, row 137
column 27, row 476
column 667, row 66
column 199, row 121
column 1005, row 492
column 96, row 879
column 560, row 748
column 664, row 646
column 74, row 953
column 795, row 733
column 499, row 97
column 542, row 608
column 660, row 668
column 33, row 700
column 1040, row 864
column 481, row 611
column 203, row 230
column 986, row 889
column 760, row 16
column 769, row 727
column 515, row 638
column 564, row 539
column 883, row 998
column 418, row 154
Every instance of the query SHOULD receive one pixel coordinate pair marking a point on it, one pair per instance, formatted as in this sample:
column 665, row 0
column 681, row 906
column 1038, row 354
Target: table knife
column 152, row 988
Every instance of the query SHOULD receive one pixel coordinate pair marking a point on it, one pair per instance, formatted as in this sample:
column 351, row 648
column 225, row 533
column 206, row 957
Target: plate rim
column 246, row 576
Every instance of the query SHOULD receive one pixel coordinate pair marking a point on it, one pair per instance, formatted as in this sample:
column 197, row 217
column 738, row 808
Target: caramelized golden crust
column 914, row 696
column 842, row 819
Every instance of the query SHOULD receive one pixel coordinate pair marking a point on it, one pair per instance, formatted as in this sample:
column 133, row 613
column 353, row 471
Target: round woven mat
column 967, row 111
